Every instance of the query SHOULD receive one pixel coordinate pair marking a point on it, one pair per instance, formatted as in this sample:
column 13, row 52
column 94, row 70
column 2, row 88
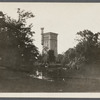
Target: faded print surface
column 60, row 53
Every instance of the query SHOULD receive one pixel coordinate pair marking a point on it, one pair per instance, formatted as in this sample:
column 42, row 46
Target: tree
column 86, row 50
column 17, row 36
column 51, row 56
column 69, row 55
column 88, row 44
column 60, row 58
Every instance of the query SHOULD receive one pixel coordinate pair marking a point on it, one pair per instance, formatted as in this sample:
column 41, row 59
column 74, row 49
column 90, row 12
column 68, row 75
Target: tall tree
column 17, row 36
column 87, row 49
column 88, row 44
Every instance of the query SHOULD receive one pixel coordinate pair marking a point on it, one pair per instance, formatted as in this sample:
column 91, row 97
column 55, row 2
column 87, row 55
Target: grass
column 86, row 79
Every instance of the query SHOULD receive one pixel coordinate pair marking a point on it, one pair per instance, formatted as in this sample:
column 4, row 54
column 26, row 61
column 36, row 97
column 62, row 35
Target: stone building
column 49, row 41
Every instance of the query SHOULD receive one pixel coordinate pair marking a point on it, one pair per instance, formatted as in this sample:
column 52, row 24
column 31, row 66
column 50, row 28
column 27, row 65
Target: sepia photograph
column 49, row 47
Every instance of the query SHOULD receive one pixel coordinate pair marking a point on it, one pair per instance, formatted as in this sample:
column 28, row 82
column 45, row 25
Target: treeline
column 17, row 47
column 86, row 51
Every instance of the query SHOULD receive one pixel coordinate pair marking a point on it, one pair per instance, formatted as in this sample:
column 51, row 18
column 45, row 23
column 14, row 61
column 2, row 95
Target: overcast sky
column 66, row 19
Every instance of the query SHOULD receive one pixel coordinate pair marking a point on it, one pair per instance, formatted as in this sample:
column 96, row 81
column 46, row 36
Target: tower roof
column 49, row 33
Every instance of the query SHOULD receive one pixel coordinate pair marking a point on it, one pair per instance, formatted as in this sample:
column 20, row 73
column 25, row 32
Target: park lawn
column 86, row 79
column 14, row 81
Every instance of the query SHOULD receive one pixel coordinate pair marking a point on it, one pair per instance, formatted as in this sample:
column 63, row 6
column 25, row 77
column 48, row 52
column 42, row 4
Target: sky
column 66, row 19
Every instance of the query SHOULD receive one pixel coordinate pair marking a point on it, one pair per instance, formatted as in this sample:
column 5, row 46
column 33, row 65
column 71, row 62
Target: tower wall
column 53, row 43
column 50, row 42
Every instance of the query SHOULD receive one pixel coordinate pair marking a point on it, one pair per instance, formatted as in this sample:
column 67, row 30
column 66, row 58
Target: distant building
column 49, row 41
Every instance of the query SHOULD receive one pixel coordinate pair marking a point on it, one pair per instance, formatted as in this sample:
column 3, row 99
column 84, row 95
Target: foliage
column 17, row 36
column 69, row 55
column 88, row 45
column 44, row 58
column 86, row 50
column 59, row 58
column 47, row 57
column 51, row 56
